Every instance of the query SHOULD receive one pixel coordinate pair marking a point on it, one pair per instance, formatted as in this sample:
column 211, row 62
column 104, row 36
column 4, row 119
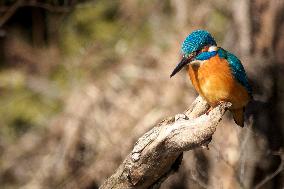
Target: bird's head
column 195, row 43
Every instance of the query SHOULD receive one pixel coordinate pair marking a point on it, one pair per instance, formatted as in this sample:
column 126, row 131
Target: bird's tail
column 238, row 115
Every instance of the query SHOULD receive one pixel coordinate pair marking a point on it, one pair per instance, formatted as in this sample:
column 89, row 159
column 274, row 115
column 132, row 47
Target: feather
column 237, row 68
column 196, row 41
column 238, row 115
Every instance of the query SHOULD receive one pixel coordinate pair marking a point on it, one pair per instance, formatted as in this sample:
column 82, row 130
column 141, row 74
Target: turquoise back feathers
column 196, row 41
column 237, row 68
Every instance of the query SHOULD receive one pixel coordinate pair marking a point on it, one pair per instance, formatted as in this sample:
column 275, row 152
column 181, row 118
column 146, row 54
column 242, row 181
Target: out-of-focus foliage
column 92, row 38
column 89, row 24
column 80, row 81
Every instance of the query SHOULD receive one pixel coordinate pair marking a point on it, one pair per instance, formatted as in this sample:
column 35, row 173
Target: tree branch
column 274, row 174
column 9, row 11
column 158, row 152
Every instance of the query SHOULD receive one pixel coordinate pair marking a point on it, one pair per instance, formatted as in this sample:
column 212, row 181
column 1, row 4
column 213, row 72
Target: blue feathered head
column 196, row 41
column 192, row 45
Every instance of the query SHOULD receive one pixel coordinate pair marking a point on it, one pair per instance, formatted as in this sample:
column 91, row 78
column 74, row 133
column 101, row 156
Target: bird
column 216, row 74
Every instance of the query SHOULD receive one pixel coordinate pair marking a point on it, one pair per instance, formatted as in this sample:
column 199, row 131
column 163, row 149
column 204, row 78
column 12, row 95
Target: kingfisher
column 216, row 74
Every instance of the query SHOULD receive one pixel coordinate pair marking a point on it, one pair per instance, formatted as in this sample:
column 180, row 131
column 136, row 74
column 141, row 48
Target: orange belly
column 214, row 81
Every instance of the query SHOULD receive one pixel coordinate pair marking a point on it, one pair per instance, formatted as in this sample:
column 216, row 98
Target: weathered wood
column 158, row 152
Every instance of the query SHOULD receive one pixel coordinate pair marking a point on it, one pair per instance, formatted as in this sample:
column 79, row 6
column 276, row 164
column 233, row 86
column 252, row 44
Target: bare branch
column 9, row 11
column 158, row 152
column 272, row 175
column 49, row 7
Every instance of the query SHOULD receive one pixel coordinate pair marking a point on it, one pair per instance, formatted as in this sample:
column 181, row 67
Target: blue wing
column 237, row 68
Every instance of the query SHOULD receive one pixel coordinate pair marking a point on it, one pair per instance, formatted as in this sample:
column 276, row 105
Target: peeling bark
column 158, row 153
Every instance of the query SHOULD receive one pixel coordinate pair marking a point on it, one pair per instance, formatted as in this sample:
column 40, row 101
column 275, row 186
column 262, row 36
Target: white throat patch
column 212, row 48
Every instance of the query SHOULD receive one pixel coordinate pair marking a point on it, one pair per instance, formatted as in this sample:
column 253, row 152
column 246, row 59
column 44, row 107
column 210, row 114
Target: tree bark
column 158, row 153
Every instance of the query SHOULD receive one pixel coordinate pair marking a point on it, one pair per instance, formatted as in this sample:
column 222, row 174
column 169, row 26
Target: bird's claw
column 220, row 102
column 207, row 112
column 211, row 107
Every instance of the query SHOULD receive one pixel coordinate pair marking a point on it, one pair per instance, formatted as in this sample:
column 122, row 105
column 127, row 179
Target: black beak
column 184, row 61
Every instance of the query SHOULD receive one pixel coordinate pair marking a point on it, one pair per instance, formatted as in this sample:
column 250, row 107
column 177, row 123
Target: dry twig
column 9, row 11
column 272, row 175
column 158, row 152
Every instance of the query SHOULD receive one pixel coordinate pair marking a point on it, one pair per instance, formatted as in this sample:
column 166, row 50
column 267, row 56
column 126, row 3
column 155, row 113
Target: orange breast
column 214, row 81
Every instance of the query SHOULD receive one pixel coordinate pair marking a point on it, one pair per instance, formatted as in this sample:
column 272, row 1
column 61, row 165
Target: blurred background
column 80, row 81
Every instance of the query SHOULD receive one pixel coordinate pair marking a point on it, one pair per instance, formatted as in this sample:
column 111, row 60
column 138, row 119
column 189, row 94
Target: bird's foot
column 212, row 107
column 207, row 112
column 221, row 102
